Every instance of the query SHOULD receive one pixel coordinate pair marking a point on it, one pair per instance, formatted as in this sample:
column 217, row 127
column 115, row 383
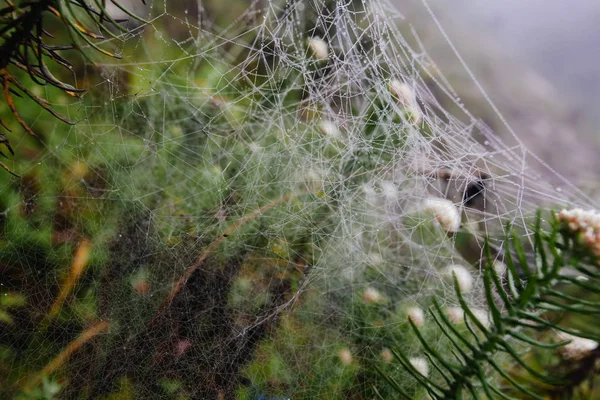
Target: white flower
column 386, row 355
column 255, row 147
column 463, row 276
column 455, row 314
column 329, row 128
column 345, row 356
column 413, row 114
column 402, row 91
column 416, row 315
column 499, row 268
column 421, row 365
column 578, row 348
column 319, row 48
column 374, row 259
column 406, row 97
column 482, row 316
column 371, row 296
column 313, row 176
column 390, row 191
column 445, row 212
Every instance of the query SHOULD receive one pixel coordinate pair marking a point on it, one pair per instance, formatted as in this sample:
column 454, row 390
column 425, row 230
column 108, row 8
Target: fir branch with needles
column 28, row 45
column 523, row 310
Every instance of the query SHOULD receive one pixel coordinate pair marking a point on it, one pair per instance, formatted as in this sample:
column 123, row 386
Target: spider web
column 247, row 195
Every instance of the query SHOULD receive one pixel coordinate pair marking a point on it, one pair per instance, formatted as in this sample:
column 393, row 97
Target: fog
column 538, row 60
column 559, row 39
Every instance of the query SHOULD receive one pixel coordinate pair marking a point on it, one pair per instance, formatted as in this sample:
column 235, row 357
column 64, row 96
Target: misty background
column 538, row 60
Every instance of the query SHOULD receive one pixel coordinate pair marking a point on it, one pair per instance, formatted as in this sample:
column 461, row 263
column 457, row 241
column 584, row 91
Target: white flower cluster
column 445, row 212
column 585, row 222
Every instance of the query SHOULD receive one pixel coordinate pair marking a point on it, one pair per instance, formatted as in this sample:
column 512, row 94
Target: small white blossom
column 406, row 96
column 578, row 348
column 455, row 314
column 445, row 212
column 390, row 191
column 413, row 114
column 345, row 356
column 463, row 276
column 403, row 92
column 319, row 48
column 499, row 268
column 386, row 355
column 416, row 315
column 371, row 296
column 374, row 259
column 421, row 365
column 255, row 147
column 329, row 128
column 482, row 316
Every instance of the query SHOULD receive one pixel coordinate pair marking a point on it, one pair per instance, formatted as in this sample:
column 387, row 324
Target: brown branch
column 66, row 353
column 80, row 261
column 11, row 103
column 4, row 166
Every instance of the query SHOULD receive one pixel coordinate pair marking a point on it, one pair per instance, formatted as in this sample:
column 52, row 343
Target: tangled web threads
column 266, row 197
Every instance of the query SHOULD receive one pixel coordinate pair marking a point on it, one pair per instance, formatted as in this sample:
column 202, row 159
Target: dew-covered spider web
column 251, row 201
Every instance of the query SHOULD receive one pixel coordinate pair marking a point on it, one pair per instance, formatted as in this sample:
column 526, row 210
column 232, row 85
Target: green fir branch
column 519, row 308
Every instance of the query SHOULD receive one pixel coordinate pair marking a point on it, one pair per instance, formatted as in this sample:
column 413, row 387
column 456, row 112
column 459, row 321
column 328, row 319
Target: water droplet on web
column 559, row 189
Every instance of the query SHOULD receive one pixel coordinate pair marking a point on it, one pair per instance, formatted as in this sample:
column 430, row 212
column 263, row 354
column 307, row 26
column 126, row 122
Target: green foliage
column 28, row 30
column 526, row 303
column 48, row 390
column 212, row 200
